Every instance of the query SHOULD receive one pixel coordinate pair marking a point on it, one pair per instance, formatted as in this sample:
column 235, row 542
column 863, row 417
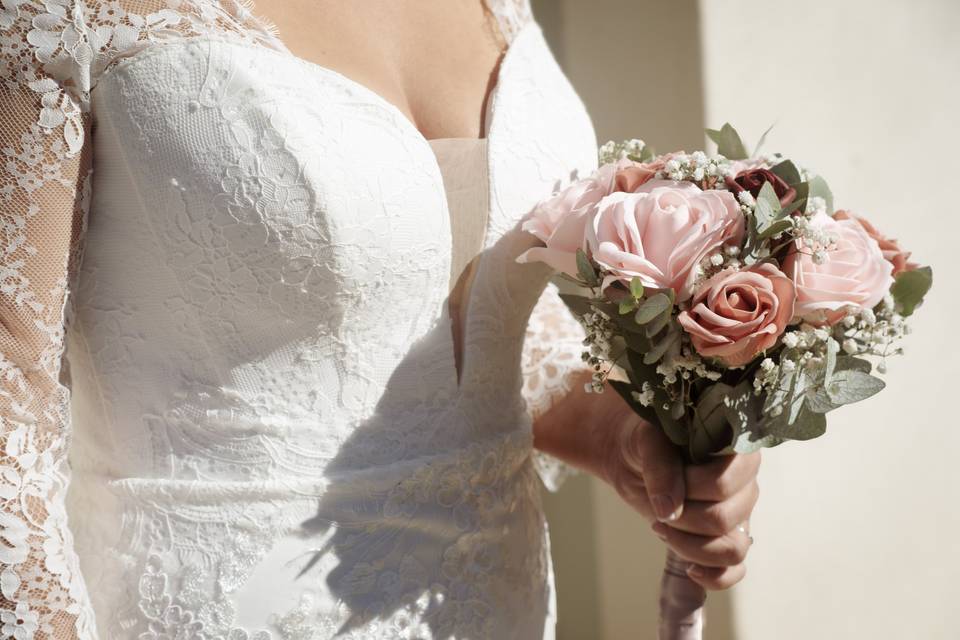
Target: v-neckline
column 458, row 377
column 271, row 30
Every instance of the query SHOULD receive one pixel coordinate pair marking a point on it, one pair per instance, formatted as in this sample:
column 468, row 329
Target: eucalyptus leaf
column 627, row 304
column 659, row 348
column 709, row 431
column 579, row 305
column 818, row 187
column 803, row 192
column 652, row 307
column 636, row 287
column 586, row 270
column 793, row 206
column 848, row 363
column 806, row 426
column 744, row 412
column 625, row 390
column 833, row 347
column 851, row 386
column 788, row 172
column 763, row 139
column 637, row 342
column 767, row 209
column 647, row 153
column 775, row 228
column 910, row 287
column 656, row 325
column 728, row 142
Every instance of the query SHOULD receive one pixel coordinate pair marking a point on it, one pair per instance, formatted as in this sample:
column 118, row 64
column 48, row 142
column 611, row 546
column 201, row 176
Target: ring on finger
column 743, row 529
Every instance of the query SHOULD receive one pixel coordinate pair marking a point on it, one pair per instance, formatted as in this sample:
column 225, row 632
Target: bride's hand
column 699, row 511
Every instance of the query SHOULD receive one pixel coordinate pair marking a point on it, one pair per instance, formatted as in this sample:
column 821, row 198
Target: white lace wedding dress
column 223, row 298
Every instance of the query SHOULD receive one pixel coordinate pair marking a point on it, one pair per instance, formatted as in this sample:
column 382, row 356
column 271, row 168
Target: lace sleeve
column 43, row 186
column 552, row 364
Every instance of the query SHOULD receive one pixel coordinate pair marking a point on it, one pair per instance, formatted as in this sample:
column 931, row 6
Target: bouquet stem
column 681, row 602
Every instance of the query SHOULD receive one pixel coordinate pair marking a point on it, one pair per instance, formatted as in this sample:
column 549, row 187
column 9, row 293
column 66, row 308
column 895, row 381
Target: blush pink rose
column 559, row 221
column 736, row 315
column 854, row 272
column 662, row 232
column 888, row 246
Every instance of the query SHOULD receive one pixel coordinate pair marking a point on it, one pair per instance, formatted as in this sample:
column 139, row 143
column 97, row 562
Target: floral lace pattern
column 191, row 323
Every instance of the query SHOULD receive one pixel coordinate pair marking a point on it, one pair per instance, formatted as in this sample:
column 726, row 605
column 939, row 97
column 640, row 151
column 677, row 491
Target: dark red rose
column 752, row 180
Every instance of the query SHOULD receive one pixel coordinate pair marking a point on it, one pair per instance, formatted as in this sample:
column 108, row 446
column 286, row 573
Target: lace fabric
column 53, row 53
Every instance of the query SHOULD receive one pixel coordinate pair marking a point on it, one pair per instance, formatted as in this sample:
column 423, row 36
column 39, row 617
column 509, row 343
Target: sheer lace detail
column 511, row 16
column 552, row 365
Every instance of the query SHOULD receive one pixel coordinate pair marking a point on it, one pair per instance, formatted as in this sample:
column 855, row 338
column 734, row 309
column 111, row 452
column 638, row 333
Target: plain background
column 858, row 533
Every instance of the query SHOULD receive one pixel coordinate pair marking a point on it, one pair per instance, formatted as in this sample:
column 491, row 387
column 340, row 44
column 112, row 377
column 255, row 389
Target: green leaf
column 775, row 229
column 806, row 426
column 625, row 389
column 637, row 342
column 636, row 287
column 787, row 171
column 910, row 287
column 768, row 207
column 728, row 142
column 762, row 139
column 586, row 270
column 652, row 307
column 803, row 191
column 579, row 305
column 793, row 206
column 833, row 348
column 656, row 325
column 818, row 187
column 647, row 153
column 639, row 373
column 709, row 431
column 853, row 363
column 659, row 348
column 744, row 413
column 627, row 304
column 851, row 386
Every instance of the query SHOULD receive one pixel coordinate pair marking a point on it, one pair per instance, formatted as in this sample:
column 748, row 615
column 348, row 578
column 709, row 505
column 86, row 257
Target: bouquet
column 737, row 305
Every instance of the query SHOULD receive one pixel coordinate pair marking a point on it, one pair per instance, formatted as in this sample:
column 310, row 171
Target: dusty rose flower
column 853, row 272
column 735, row 315
column 888, row 246
column 662, row 232
column 752, row 180
column 559, row 221
column 630, row 178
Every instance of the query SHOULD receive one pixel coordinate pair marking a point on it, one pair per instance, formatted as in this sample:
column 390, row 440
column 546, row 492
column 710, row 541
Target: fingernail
column 696, row 571
column 660, row 530
column 664, row 507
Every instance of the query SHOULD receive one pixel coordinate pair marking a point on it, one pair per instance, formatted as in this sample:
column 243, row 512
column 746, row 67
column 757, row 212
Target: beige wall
column 858, row 534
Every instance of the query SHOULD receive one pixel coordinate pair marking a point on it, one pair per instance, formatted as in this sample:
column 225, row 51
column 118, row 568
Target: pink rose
column 853, row 272
column 889, row 247
column 737, row 314
column 559, row 221
column 662, row 232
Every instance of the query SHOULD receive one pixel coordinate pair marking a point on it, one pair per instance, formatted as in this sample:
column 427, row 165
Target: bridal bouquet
column 740, row 306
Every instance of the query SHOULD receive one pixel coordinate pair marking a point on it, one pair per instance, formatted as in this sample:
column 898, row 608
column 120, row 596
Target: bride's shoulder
column 72, row 42
column 511, row 15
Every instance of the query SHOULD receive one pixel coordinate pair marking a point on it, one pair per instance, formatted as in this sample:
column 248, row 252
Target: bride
column 258, row 288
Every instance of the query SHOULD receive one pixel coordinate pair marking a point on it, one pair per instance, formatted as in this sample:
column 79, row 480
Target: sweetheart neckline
column 271, row 30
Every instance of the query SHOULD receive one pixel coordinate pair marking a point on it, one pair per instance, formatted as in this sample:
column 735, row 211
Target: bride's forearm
column 572, row 429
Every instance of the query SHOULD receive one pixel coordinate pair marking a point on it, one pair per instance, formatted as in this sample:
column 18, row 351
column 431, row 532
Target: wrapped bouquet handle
column 741, row 306
column 681, row 602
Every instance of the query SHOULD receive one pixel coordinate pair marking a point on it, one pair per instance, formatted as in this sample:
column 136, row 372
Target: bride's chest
column 291, row 176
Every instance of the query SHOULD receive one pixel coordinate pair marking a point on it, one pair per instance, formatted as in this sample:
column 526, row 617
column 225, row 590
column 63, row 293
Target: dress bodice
column 267, row 434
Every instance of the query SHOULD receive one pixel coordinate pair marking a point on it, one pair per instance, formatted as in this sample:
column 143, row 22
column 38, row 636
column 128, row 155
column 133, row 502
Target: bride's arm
column 44, row 172
column 697, row 510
